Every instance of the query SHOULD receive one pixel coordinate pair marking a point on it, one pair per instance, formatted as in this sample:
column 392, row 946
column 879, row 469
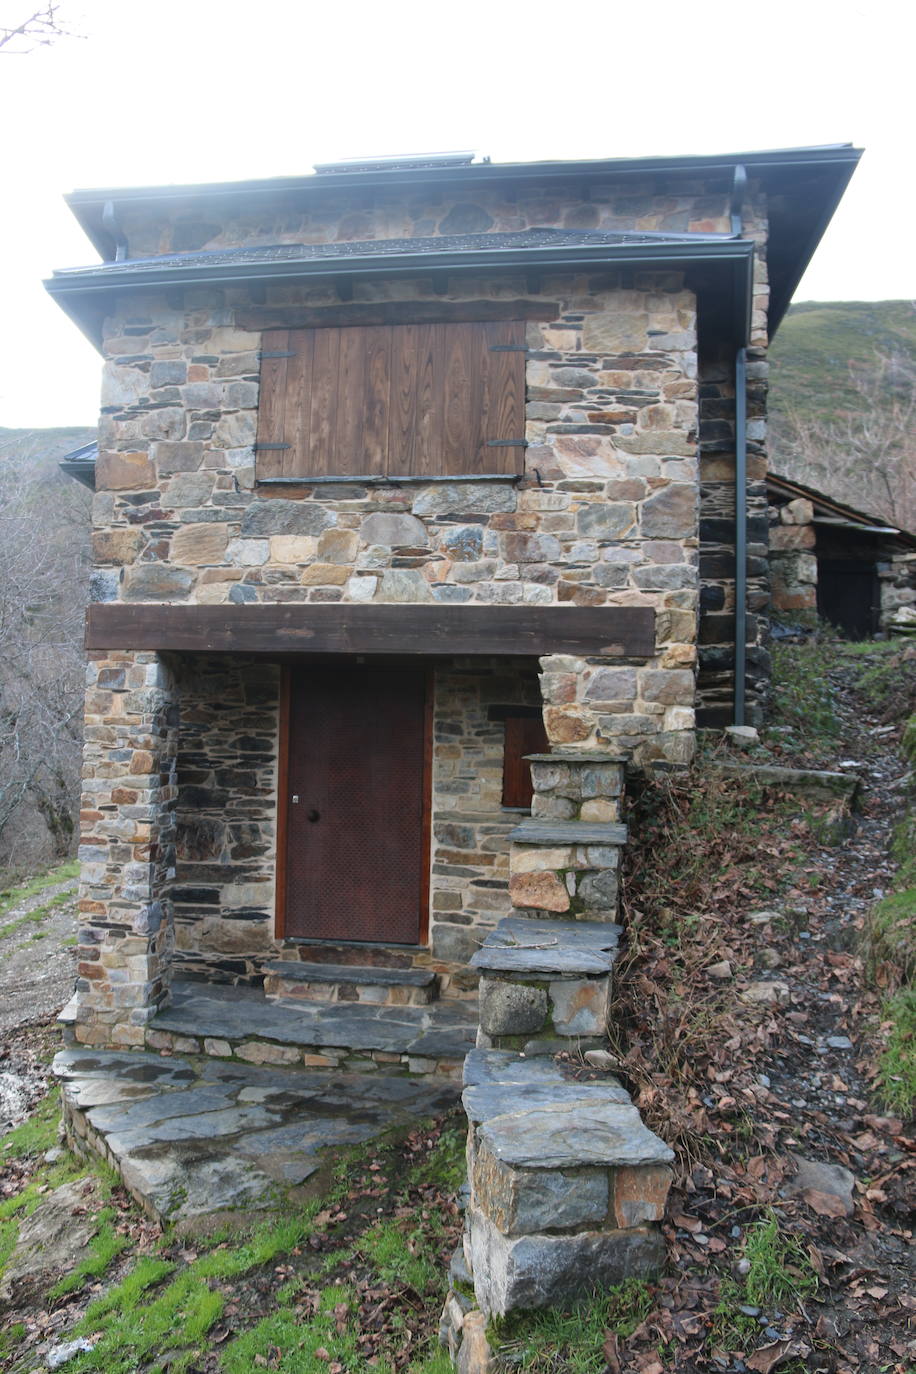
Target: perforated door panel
column 355, row 840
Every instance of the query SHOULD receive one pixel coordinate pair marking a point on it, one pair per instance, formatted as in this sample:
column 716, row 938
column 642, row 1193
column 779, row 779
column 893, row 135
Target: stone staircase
column 567, row 1184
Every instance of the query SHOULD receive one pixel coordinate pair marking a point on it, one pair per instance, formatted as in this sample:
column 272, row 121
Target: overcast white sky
column 190, row 90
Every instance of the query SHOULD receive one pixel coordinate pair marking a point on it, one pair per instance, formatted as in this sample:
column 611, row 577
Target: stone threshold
column 241, row 1023
column 322, row 982
column 196, row 1141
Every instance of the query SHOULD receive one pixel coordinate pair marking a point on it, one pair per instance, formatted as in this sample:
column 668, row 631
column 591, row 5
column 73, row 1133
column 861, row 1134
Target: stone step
column 195, row 1137
column 241, row 1023
column 545, row 982
column 568, row 1185
column 286, row 979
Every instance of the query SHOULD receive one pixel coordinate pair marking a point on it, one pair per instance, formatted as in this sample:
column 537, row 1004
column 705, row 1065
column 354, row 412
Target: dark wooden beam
column 393, row 312
column 605, row 631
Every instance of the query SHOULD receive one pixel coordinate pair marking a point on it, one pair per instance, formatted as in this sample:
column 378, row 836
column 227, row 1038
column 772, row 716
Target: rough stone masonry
column 179, row 823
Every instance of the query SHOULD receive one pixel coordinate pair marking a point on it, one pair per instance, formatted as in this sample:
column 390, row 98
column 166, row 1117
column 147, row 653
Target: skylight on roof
column 409, row 162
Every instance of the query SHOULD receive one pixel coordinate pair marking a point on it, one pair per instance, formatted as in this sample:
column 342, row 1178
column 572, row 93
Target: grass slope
column 810, row 356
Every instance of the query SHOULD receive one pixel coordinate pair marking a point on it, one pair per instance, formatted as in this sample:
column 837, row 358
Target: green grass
column 157, row 1311
column 402, row 1257
column 803, row 698
column 780, row 1277
column 897, row 1061
column 12, row 897
column 104, row 1247
column 10, row 1339
column 816, row 341
column 890, row 935
column 30, row 1140
column 548, row 1341
column 887, row 681
column 35, row 1135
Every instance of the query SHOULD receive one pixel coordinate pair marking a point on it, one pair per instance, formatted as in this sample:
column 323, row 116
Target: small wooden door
column 355, row 841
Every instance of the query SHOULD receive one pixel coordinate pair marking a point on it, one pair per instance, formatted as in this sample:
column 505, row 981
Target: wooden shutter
column 396, row 400
column 524, row 735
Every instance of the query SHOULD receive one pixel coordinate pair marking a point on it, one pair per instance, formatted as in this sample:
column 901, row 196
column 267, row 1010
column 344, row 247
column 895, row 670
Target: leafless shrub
column 864, row 455
column 43, row 570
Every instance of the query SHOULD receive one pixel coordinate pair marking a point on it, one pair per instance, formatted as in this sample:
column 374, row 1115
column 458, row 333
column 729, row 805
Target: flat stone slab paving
column 194, row 1137
column 442, row 1030
column 572, row 949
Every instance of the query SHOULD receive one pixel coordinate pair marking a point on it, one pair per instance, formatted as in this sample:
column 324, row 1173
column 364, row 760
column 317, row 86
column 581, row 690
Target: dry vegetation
column 43, row 581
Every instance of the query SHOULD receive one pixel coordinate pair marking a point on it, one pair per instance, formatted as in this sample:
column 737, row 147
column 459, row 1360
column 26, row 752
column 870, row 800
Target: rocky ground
column 37, row 970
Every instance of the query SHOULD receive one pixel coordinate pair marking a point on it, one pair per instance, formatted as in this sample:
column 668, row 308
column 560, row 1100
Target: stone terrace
column 242, row 1023
column 195, row 1137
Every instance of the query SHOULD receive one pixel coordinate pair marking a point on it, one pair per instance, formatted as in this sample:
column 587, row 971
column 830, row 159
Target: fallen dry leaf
column 611, row 1352
column 825, row 1204
column 768, row 1356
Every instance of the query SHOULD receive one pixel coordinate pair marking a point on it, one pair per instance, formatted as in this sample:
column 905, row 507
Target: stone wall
column 223, row 894
column 607, row 513
column 127, row 847
column 793, row 562
column 649, row 204
column 225, row 812
column 897, row 576
column 470, row 829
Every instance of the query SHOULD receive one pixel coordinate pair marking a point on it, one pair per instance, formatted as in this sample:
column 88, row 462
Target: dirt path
column 37, row 971
column 768, row 1079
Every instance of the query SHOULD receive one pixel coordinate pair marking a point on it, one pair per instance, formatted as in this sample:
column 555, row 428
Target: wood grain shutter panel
column 452, row 394
column 272, row 455
column 422, row 400
column 502, row 416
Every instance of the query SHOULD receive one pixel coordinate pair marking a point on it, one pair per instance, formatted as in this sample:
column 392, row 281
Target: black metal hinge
column 509, row 348
column 277, row 355
column 507, row 443
column 260, row 448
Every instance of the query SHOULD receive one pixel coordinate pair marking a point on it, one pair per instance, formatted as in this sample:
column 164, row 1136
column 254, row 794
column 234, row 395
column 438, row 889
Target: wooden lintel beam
column 393, row 312
column 602, row 631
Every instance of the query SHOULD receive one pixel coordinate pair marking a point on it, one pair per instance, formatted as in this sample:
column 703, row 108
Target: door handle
column 314, row 815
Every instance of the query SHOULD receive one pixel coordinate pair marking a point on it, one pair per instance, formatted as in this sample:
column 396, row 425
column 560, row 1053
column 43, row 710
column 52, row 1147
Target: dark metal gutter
column 85, row 293
column 740, row 534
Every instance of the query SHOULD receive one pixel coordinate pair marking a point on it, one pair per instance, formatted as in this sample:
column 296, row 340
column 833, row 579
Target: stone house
column 830, row 560
column 409, row 471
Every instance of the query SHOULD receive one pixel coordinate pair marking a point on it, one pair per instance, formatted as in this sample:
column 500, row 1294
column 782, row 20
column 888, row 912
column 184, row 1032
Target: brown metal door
column 355, row 839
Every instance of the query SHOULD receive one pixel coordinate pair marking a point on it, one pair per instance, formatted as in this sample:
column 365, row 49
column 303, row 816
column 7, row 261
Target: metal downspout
column 740, row 533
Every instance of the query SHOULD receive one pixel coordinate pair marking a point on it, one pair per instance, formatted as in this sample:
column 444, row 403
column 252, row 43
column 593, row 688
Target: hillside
column 818, row 340
column 44, row 445
column 842, row 387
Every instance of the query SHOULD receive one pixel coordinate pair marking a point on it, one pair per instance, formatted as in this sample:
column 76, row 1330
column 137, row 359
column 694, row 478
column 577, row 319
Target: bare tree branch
column 36, row 29
column 43, row 571
column 866, row 455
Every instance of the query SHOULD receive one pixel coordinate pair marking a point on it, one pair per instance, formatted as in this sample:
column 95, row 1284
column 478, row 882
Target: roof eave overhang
column 88, row 204
column 88, row 296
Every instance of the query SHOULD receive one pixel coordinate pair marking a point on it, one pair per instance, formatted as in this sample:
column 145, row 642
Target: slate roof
column 432, row 245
